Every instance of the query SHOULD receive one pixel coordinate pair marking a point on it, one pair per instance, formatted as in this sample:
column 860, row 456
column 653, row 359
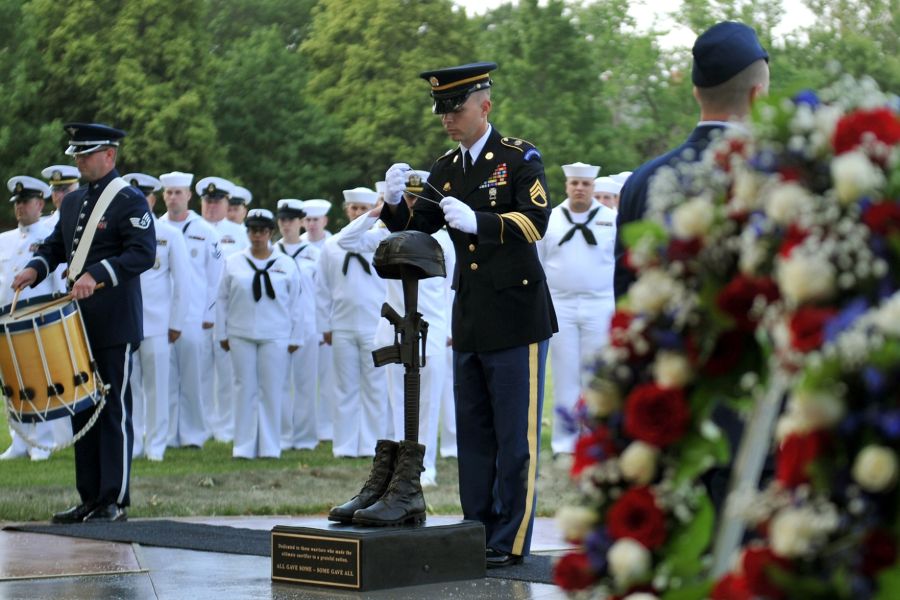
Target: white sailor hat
column 85, row 138
column 316, row 207
column 214, row 187
column 361, row 195
column 260, row 217
column 607, row 185
column 145, row 183
column 291, row 208
column 380, row 186
column 415, row 181
column 581, row 169
column 176, row 179
column 621, row 177
column 240, row 195
column 61, row 175
column 24, row 187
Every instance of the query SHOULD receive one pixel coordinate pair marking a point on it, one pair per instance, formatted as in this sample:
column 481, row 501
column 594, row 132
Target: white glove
column 458, row 215
column 395, row 182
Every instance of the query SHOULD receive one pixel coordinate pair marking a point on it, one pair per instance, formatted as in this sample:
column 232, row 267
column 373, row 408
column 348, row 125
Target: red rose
column 731, row 587
column 879, row 551
column 591, row 448
column 723, row 155
column 635, row 515
column 658, row 416
column 883, row 218
column 793, row 237
column 736, row 298
column 573, row 572
column 684, row 250
column 790, row 173
column 619, row 335
column 758, row 564
column 807, row 327
column 796, row 454
column 881, row 123
column 726, row 353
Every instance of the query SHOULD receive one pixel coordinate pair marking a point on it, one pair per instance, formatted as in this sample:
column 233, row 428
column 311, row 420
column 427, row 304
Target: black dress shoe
column 495, row 559
column 106, row 514
column 76, row 514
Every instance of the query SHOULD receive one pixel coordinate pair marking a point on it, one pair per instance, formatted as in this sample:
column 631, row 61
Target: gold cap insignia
column 434, row 81
column 19, row 187
column 56, row 176
column 211, row 188
column 447, row 187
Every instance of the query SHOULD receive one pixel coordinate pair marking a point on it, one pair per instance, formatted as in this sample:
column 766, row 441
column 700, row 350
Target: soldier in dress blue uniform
column 123, row 246
column 731, row 70
column 492, row 193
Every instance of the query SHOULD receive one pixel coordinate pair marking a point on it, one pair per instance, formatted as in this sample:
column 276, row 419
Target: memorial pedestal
column 373, row 558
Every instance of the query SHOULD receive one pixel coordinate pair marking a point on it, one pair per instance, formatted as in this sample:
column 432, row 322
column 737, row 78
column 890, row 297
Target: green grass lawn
column 209, row 482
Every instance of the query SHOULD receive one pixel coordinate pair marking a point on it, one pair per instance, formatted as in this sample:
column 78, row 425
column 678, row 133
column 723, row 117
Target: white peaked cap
column 176, row 179
column 581, row 169
column 361, row 195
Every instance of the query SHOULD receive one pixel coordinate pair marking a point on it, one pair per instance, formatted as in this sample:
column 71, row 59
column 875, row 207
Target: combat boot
column 403, row 502
column 375, row 486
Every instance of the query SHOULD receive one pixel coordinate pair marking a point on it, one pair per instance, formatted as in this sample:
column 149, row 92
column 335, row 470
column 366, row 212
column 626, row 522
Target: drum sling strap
column 81, row 252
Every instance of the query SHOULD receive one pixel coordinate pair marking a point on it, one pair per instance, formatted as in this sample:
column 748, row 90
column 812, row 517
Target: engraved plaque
column 317, row 560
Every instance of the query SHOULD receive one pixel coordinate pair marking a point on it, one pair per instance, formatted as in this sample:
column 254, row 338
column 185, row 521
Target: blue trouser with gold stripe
column 499, row 396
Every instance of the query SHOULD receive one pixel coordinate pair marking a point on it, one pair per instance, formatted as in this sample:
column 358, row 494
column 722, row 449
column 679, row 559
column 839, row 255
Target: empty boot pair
column 376, row 485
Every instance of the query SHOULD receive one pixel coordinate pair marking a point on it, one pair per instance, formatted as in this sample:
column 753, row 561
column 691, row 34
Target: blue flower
column 807, row 97
column 890, row 424
column 845, row 318
column 596, row 546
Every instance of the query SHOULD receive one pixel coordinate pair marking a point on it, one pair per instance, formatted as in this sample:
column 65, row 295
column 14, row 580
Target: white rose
column 653, row 290
column 802, row 278
column 875, row 468
column 672, row 369
column 887, row 317
column 602, row 398
column 641, row 596
column 796, row 532
column 752, row 255
column 854, row 176
column 576, row 522
column 745, row 193
column 638, row 462
column 692, row 218
column 817, row 409
column 787, row 201
column 629, row 562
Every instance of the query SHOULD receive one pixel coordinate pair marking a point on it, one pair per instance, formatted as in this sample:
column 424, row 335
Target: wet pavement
column 39, row 566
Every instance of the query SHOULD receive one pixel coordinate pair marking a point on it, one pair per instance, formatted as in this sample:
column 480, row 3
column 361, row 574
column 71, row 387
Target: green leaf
column 637, row 231
column 689, row 542
column 698, row 454
column 888, row 584
column 697, row 591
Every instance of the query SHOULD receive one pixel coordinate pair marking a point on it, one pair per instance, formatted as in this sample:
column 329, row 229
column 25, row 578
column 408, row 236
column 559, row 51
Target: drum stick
column 12, row 308
column 52, row 303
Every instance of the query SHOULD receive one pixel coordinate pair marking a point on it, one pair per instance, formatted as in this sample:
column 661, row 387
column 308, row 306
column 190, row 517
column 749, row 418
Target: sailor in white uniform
column 259, row 322
column 577, row 255
column 239, row 204
column 187, row 421
column 606, row 192
column 363, row 235
column 218, row 383
column 348, row 303
column 164, row 290
column 298, row 415
column 314, row 223
column 62, row 179
column 16, row 249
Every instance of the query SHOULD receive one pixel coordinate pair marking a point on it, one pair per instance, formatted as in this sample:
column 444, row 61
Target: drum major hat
column 214, row 188
column 142, row 181
column 176, row 179
column 451, row 87
column 607, row 185
column 290, row 208
column 240, row 195
column 24, row 187
column 260, row 217
column 723, row 51
column 85, row 138
column 581, row 169
column 316, row 207
column 62, row 175
column 361, row 195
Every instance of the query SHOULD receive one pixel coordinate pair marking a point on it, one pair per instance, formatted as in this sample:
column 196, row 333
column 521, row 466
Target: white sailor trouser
column 222, row 417
column 150, row 396
column 360, row 417
column 583, row 331
column 448, row 407
column 325, row 394
column 298, row 412
column 187, row 423
column 261, row 375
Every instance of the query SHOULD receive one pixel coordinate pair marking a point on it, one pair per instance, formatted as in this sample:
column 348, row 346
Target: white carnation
column 746, row 189
column 816, row 409
column 653, row 290
column 803, row 278
column 875, row 468
column 629, row 562
column 672, row 369
column 854, row 176
column 602, row 398
column 887, row 317
column 797, row 532
column 692, row 218
column 638, row 462
column 576, row 522
column 641, row 596
column 787, row 201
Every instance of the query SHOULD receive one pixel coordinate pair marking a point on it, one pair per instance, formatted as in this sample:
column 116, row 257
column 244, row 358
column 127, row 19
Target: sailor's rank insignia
column 538, row 195
column 498, row 177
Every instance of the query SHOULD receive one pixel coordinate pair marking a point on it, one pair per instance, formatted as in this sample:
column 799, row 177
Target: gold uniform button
column 493, row 203
column 471, row 247
column 524, row 282
column 474, row 266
